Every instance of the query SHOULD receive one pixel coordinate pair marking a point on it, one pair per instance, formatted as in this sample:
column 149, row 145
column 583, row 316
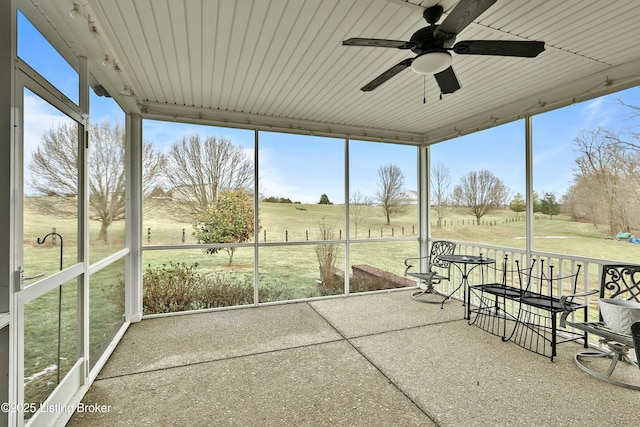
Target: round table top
column 467, row 259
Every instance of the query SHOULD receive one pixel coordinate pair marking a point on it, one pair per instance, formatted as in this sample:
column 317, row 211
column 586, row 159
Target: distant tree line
column 275, row 199
column 548, row 205
column 196, row 169
column 606, row 182
column 481, row 192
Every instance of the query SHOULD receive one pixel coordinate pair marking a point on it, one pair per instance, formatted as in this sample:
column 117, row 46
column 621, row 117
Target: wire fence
column 294, row 235
column 369, row 233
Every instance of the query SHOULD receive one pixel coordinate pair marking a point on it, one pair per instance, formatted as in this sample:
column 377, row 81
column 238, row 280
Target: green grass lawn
column 559, row 234
column 292, row 270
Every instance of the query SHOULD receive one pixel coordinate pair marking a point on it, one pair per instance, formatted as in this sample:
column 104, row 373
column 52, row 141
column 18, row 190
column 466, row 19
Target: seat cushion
column 619, row 314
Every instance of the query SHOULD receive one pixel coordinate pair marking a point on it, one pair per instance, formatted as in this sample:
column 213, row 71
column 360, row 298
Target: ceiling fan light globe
column 431, row 63
column 75, row 12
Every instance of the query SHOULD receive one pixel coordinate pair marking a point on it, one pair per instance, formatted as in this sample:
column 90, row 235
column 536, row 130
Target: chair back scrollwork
column 620, row 281
column 439, row 248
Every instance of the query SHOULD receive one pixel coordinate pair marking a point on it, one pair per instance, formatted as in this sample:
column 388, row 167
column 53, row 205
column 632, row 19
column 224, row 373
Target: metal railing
column 564, row 265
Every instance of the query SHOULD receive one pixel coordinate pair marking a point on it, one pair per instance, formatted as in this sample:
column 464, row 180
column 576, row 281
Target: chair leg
column 586, row 335
column 635, row 334
column 554, row 336
column 617, row 352
column 429, row 289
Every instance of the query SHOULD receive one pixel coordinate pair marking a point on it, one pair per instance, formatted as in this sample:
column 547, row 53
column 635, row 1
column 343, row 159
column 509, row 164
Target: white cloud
column 593, row 110
column 39, row 117
column 602, row 112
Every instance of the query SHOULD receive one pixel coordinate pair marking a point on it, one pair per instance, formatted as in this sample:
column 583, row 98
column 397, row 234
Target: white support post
column 529, row 184
column 7, row 267
column 133, row 226
column 347, row 214
column 256, row 220
column 83, row 224
column 424, row 205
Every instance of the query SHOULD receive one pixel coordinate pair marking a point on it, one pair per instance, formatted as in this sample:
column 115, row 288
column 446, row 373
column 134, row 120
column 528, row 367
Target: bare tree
column 441, row 197
column 606, row 182
column 456, row 196
column 607, row 171
column 53, row 172
column 358, row 205
column 390, row 188
column 481, row 192
column 198, row 169
column 628, row 138
column 582, row 202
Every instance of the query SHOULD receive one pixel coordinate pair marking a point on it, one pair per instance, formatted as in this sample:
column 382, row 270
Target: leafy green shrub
column 180, row 287
column 170, row 287
column 224, row 290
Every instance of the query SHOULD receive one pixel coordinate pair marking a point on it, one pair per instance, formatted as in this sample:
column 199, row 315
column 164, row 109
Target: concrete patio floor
column 369, row 360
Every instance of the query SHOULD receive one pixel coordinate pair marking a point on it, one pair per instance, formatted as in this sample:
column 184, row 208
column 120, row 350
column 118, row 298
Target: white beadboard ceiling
column 280, row 64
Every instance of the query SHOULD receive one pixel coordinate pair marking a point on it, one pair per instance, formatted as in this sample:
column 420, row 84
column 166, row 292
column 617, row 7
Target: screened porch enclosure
column 143, row 181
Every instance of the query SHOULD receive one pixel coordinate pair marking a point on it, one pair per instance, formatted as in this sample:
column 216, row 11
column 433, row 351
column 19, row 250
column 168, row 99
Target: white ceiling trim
column 161, row 111
column 280, row 64
column 613, row 79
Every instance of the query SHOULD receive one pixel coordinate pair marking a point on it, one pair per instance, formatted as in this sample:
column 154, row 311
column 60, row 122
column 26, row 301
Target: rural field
column 285, row 271
column 295, row 267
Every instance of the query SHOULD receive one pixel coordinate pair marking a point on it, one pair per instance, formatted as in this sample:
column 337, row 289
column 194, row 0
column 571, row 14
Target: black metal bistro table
column 465, row 264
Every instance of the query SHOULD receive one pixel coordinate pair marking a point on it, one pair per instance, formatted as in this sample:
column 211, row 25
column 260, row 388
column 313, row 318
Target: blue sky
column 501, row 149
column 301, row 167
column 304, row 167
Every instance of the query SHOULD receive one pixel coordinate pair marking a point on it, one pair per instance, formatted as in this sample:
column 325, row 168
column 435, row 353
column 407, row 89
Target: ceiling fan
column 433, row 44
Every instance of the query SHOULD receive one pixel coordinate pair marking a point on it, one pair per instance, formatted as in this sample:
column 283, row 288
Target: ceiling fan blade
column 399, row 44
column 462, row 15
column 447, row 81
column 386, row 75
column 523, row 49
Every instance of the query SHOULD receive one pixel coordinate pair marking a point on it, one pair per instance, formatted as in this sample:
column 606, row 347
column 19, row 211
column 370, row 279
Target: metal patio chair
column 435, row 270
column 618, row 282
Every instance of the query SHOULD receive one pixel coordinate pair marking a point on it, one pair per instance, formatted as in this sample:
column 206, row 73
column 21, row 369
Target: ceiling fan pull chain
column 424, row 89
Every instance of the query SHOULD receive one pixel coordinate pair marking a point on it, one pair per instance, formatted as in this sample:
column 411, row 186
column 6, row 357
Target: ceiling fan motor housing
column 432, row 14
column 424, row 40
